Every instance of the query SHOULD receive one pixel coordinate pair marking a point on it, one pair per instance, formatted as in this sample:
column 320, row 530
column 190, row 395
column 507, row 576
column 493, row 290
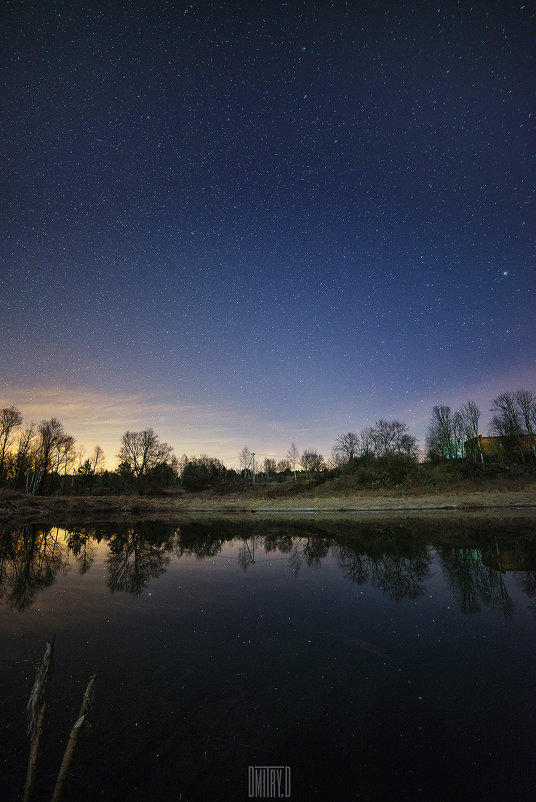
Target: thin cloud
column 98, row 417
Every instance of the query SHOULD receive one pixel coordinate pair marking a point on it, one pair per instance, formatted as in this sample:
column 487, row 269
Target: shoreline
column 46, row 508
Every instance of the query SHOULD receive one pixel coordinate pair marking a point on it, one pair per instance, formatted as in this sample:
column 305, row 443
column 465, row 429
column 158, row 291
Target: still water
column 372, row 661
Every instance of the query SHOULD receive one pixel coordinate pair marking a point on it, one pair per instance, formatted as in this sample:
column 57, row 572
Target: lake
column 242, row 658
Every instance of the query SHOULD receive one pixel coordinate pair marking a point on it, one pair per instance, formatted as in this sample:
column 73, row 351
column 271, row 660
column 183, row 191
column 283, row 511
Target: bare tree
column 526, row 404
column 336, row 460
column 269, row 466
column 444, row 438
column 49, row 437
column 366, row 443
column 142, row 451
column 97, row 459
column 245, row 461
column 10, row 419
column 23, row 456
column 392, row 437
column 311, row 461
column 507, row 420
column 470, row 419
column 87, row 470
column 64, row 457
column 293, row 457
column 347, row 445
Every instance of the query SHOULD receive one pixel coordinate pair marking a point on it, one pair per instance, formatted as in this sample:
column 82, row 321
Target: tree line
column 44, row 459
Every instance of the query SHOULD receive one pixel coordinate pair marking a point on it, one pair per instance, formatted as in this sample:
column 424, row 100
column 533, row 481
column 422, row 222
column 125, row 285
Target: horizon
column 93, row 415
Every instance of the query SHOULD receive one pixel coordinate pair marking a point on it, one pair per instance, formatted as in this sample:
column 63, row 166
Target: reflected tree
column 246, row 553
column 399, row 575
column 79, row 542
column 315, row 549
column 30, row 560
column 527, row 582
column 136, row 558
column 354, row 565
column 402, row 577
column 474, row 583
column 198, row 541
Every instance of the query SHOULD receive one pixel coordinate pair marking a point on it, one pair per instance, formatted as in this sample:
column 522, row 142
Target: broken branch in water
column 73, row 738
column 36, row 714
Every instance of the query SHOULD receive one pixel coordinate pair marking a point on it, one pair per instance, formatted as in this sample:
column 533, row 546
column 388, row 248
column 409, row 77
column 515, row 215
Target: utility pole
column 253, row 465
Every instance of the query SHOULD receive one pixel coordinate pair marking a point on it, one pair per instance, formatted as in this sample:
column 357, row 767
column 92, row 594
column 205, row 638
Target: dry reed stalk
column 73, row 738
column 36, row 714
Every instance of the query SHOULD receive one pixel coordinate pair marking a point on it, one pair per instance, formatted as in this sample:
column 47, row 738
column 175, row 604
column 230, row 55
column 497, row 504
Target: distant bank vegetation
column 42, row 459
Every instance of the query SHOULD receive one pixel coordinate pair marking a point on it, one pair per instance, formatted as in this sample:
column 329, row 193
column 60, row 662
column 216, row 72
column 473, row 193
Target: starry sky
column 257, row 222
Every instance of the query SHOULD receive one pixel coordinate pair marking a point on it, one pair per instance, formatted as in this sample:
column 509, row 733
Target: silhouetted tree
column 23, row 455
column 366, row 444
column 202, row 472
column 526, row 404
column 444, row 438
column 142, row 451
column 50, row 437
column 293, row 458
column 392, row 437
column 311, row 461
column 245, row 461
column 347, row 445
column 269, row 467
column 10, row 419
column 470, row 418
column 507, row 420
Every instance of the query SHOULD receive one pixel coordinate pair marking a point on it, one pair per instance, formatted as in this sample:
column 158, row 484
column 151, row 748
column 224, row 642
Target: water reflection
column 136, row 557
column 81, row 543
column 474, row 583
column 398, row 575
column 30, row 560
column 246, row 553
column 396, row 559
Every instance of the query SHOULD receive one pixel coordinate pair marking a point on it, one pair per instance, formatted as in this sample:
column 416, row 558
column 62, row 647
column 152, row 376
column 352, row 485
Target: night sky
column 257, row 222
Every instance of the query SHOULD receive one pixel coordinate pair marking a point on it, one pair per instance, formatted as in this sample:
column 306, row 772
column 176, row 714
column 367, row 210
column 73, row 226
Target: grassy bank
column 290, row 497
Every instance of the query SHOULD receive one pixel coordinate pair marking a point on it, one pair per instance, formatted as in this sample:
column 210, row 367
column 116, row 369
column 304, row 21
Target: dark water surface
column 378, row 661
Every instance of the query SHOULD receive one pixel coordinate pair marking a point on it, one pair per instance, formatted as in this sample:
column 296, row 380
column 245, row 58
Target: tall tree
column 311, row 461
column 336, row 460
column 507, row 420
column 23, row 456
column 293, row 457
column 366, row 443
column 443, row 437
column 347, row 445
column 392, row 437
column 526, row 404
column 97, row 459
column 64, row 458
column 10, row 419
column 49, row 438
column 269, row 466
column 470, row 418
column 245, row 461
column 142, row 451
